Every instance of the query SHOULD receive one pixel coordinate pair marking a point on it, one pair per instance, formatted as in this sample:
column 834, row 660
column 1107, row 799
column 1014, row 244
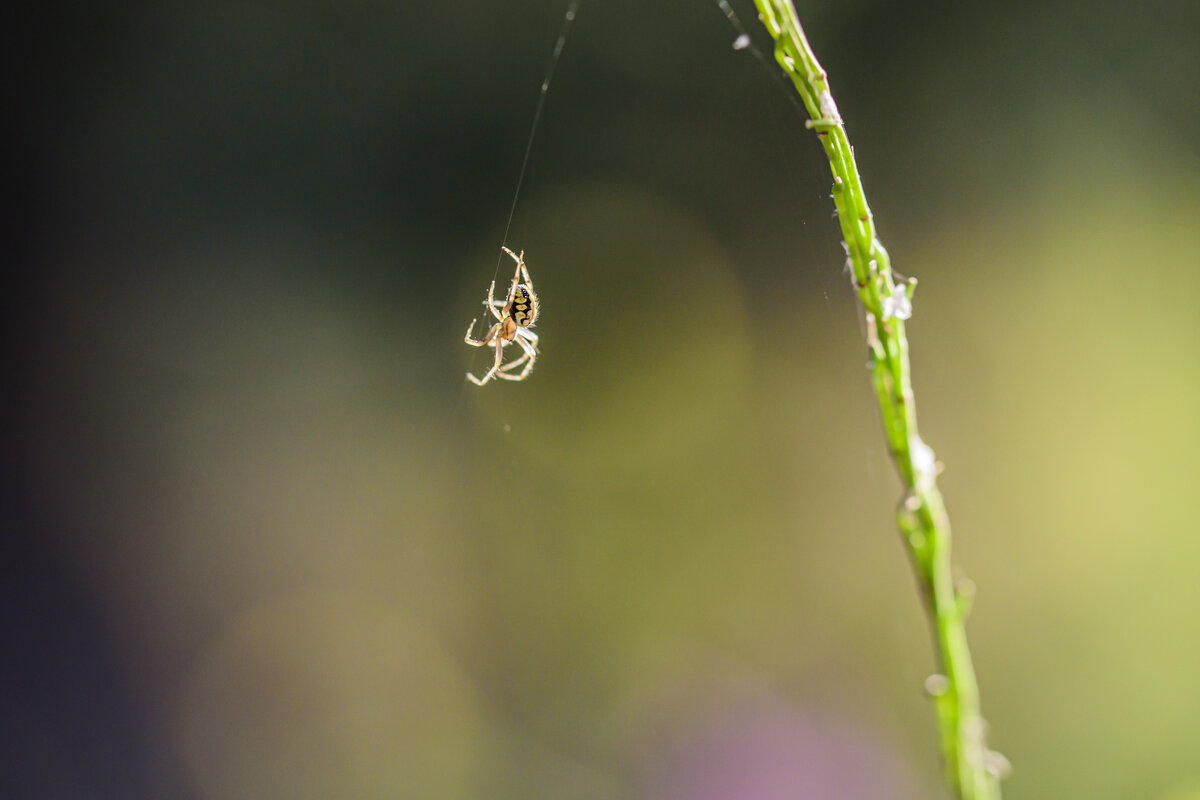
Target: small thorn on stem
column 996, row 764
column 937, row 685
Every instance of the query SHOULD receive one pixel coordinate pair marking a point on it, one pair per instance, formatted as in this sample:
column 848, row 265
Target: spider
column 516, row 316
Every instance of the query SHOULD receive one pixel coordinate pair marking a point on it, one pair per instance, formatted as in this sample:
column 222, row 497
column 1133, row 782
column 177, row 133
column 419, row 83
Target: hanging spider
column 516, row 315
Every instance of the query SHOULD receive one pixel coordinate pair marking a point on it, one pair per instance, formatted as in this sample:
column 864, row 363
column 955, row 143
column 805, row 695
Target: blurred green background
column 264, row 542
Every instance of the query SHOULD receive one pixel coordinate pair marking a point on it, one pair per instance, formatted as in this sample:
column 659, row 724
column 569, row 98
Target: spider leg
column 516, row 362
column 521, row 270
column 529, row 357
column 492, row 303
column 491, row 372
column 508, row 376
column 495, row 306
column 530, row 335
column 507, row 368
column 520, row 259
column 491, row 334
column 523, row 335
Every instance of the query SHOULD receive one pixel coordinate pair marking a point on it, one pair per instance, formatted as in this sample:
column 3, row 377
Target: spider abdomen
column 524, row 306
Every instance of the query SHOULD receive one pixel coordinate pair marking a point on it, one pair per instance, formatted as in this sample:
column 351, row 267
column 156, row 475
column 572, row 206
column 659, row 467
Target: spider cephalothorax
column 516, row 316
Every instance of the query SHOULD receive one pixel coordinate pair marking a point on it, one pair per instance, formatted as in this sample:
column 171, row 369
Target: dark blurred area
column 263, row 541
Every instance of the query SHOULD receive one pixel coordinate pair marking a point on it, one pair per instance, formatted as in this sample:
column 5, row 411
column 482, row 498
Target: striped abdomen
column 524, row 306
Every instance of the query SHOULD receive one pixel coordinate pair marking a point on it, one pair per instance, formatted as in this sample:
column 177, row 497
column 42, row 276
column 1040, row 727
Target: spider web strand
column 559, row 44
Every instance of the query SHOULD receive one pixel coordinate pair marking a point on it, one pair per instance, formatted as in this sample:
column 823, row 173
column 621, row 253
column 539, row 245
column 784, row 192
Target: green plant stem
column 972, row 770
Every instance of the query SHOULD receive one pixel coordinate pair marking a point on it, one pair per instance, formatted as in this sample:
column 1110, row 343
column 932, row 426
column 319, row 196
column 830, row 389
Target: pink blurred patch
column 778, row 754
